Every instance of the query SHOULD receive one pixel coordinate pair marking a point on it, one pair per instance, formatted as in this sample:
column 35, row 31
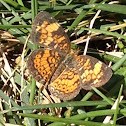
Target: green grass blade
column 119, row 63
column 67, row 121
column 113, row 8
column 25, row 101
column 34, row 8
column 102, row 95
column 114, row 59
column 7, row 99
column 117, row 107
column 14, row 26
column 20, row 2
column 15, row 4
column 64, row 104
column 115, row 34
column 82, row 15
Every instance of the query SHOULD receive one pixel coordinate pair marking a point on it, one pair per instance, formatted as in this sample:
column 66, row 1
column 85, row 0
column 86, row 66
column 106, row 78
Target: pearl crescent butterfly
column 65, row 72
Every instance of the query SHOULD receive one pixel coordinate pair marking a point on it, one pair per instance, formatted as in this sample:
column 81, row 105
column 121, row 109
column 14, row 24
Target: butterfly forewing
column 48, row 33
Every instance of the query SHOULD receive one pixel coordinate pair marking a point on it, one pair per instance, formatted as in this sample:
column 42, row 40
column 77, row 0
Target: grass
column 102, row 24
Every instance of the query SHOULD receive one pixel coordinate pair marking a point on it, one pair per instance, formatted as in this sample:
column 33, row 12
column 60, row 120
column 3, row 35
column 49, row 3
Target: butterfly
column 65, row 72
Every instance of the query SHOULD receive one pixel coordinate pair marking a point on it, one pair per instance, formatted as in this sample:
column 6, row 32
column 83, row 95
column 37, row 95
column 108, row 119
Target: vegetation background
column 101, row 23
